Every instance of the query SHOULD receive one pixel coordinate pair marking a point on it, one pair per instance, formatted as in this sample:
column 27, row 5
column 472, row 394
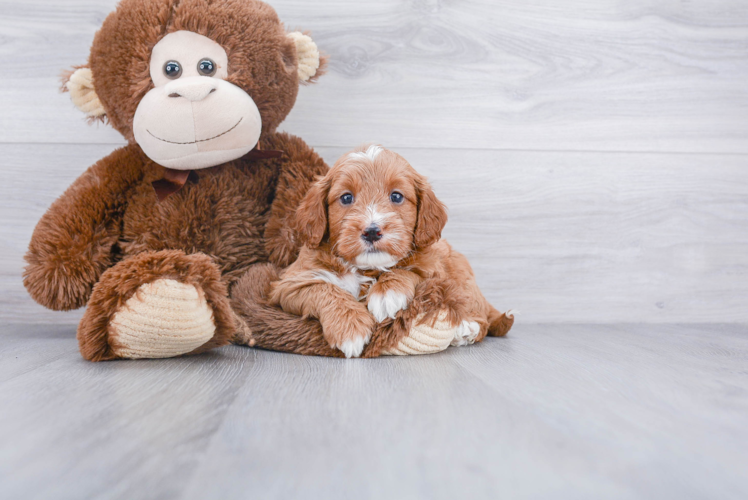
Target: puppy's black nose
column 372, row 234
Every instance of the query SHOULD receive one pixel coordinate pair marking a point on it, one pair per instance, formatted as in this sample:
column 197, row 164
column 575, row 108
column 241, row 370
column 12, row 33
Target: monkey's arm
column 73, row 242
column 302, row 165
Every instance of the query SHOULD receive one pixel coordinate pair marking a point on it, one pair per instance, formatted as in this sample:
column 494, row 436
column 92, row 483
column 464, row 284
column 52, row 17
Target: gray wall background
column 593, row 153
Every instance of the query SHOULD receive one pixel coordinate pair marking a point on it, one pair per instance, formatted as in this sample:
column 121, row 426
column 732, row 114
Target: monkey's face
column 194, row 83
column 193, row 118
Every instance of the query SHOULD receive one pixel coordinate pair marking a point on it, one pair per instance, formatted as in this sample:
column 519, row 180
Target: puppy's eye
column 206, row 67
column 172, row 70
column 346, row 199
column 396, row 197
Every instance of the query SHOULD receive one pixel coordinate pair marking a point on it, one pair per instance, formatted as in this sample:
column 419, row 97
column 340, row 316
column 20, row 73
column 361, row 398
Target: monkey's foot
column 162, row 319
column 425, row 338
column 156, row 305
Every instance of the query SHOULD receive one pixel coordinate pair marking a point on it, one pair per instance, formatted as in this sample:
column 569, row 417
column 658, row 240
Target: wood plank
column 562, row 237
column 552, row 411
column 74, row 429
column 606, row 75
column 31, row 347
column 640, row 397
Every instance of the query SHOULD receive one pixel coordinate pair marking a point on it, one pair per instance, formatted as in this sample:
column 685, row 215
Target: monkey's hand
column 72, row 244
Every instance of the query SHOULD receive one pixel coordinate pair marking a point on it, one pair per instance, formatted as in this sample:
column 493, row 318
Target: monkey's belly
column 223, row 215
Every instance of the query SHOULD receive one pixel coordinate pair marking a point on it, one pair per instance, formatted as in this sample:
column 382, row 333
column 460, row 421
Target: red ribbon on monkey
column 174, row 180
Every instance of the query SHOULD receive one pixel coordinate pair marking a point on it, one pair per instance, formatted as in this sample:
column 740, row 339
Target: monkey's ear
column 312, row 64
column 80, row 84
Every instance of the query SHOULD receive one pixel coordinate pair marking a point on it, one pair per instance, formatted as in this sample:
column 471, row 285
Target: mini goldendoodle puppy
column 372, row 232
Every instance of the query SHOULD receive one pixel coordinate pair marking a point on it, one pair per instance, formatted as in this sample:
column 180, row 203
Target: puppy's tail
column 499, row 323
column 271, row 327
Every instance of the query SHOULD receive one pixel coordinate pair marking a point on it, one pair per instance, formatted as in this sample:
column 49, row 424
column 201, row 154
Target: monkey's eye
column 346, row 199
column 173, row 70
column 206, row 67
column 396, row 197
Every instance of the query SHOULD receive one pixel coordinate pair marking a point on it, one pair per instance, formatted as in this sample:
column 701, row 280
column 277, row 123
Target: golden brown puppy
column 372, row 232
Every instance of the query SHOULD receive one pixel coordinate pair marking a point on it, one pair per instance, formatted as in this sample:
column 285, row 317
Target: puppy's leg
column 467, row 332
column 482, row 319
column 499, row 323
column 392, row 293
column 474, row 325
column 346, row 324
column 475, row 329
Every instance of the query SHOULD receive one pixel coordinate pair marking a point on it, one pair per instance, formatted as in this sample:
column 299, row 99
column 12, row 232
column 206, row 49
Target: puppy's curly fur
column 372, row 232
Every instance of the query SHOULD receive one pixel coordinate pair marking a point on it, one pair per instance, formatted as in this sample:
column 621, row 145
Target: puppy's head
column 372, row 208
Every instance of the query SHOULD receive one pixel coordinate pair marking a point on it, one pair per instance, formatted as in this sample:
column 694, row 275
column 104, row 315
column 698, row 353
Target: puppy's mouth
column 375, row 259
column 199, row 140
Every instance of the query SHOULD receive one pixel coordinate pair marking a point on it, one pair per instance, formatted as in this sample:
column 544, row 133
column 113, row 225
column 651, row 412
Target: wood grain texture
column 552, row 411
column 582, row 75
column 561, row 237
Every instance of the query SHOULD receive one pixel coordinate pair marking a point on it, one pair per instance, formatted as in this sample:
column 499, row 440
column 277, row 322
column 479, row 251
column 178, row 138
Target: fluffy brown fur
column 277, row 330
column 272, row 328
column 262, row 58
column 100, row 235
column 108, row 233
column 120, row 282
column 372, row 229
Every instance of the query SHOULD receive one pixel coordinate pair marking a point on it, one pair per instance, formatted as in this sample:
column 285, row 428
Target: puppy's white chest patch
column 351, row 282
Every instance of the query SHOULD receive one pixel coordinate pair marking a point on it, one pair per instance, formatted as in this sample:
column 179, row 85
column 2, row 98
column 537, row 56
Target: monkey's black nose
column 372, row 234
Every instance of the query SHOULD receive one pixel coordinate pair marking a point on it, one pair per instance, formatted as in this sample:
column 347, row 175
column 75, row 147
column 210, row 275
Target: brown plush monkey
column 157, row 236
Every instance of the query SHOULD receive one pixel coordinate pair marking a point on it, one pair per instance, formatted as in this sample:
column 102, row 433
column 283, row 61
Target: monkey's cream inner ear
column 83, row 94
column 307, row 54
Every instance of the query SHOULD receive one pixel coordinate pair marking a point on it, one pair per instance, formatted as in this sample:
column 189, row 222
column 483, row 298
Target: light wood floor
column 625, row 411
column 594, row 157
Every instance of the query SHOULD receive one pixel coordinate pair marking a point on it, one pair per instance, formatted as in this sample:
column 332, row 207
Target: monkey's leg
column 427, row 326
column 156, row 305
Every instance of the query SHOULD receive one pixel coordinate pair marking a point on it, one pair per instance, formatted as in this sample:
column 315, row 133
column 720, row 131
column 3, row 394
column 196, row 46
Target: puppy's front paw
column 354, row 347
column 466, row 333
column 387, row 305
column 348, row 329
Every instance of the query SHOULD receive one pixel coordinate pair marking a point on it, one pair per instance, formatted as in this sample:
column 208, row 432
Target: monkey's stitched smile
column 201, row 140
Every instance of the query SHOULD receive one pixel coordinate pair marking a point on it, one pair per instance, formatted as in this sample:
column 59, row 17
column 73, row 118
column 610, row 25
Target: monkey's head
column 194, row 82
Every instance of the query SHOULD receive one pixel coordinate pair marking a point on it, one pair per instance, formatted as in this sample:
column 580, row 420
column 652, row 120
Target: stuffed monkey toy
column 171, row 241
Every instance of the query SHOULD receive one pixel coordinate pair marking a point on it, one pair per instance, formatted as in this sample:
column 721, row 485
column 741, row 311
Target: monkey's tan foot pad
column 425, row 339
column 162, row 319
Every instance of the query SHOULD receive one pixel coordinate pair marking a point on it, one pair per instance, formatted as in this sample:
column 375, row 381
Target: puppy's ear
column 311, row 217
column 432, row 215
